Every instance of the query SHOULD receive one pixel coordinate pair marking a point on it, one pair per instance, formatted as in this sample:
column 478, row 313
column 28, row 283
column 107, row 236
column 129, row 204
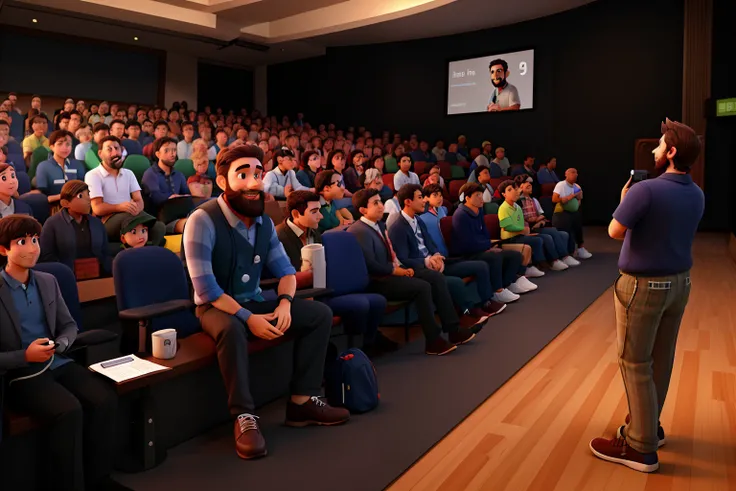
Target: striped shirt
column 199, row 240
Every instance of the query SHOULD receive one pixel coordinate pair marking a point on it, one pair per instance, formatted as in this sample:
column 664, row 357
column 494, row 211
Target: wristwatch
column 285, row 297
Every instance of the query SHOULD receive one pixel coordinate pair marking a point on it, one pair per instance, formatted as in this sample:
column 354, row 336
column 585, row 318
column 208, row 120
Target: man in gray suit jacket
column 75, row 406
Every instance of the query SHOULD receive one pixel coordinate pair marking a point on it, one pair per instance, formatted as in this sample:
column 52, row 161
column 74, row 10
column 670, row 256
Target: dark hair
column 39, row 118
column 64, row 115
column 17, row 227
column 147, row 121
column 108, row 138
column 72, row 188
column 185, row 124
column 161, row 122
column 161, row 142
column 407, row 192
column 58, row 135
column 323, row 179
column 132, row 122
column 220, row 130
column 331, row 156
column 35, row 96
column 685, row 140
column 405, row 154
column 117, row 121
column 100, row 127
column 430, row 189
column 352, row 157
column 229, row 155
column 305, row 158
column 505, row 184
column 482, row 168
column 499, row 61
column 521, row 179
column 361, row 198
column 372, row 162
column 299, row 200
column 282, row 152
column 469, row 189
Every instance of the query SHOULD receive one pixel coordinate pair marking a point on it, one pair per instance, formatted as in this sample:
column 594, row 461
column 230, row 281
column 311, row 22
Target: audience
column 328, row 184
column 282, row 181
column 426, row 287
column 115, row 192
column 406, row 173
column 336, row 163
column 75, row 237
column 8, row 190
column 501, row 161
column 184, row 147
column 311, row 164
column 484, row 158
column 53, row 173
column 84, row 136
column 134, row 231
column 162, row 183
column 77, row 408
column 546, row 173
column 361, row 313
column 37, row 138
column 132, row 143
column 230, row 311
column 472, row 241
column 567, row 197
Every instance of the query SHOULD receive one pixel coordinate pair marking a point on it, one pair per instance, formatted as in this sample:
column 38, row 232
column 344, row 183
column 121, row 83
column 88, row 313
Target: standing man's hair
column 685, row 140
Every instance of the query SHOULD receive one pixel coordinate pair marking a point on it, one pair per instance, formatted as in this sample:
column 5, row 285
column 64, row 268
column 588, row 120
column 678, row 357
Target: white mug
column 164, row 344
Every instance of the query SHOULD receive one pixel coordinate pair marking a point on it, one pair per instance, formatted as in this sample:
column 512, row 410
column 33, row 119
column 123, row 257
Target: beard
column 116, row 163
column 498, row 83
column 661, row 163
column 244, row 206
column 169, row 163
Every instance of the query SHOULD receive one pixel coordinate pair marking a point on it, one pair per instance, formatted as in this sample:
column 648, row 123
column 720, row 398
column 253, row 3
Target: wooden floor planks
column 533, row 433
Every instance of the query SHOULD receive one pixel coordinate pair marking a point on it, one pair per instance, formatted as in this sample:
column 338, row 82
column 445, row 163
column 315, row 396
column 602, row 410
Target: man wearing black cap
column 281, row 181
column 657, row 220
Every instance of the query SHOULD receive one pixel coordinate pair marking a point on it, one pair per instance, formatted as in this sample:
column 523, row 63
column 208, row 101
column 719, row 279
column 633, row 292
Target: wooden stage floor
column 533, row 433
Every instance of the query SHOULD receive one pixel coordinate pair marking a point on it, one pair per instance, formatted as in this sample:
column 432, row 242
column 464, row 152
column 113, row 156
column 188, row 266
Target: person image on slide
column 505, row 97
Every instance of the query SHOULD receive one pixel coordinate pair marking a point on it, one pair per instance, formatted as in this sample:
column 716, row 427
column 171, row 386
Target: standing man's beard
column 497, row 84
column 244, row 206
column 661, row 162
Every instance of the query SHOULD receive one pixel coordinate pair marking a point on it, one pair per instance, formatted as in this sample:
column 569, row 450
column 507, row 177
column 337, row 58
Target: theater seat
column 346, row 269
column 446, row 229
column 388, row 180
column 39, row 155
column 474, row 152
column 494, row 229
column 24, row 182
column 445, row 170
column 496, row 181
column 548, row 189
column 457, row 172
column 39, row 204
column 455, row 189
column 421, row 168
column 185, row 166
column 138, row 164
column 547, row 205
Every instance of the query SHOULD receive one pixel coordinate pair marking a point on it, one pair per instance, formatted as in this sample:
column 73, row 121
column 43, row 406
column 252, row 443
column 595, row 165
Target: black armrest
column 92, row 337
column 154, row 310
column 269, row 284
column 313, row 293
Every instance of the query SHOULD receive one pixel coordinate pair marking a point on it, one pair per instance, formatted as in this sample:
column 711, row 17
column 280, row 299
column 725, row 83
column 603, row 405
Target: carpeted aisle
column 423, row 398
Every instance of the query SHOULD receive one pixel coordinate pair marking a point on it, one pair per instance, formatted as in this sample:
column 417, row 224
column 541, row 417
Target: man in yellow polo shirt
column 37, row 139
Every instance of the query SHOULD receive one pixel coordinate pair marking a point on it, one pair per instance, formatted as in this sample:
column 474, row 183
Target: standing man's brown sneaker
column 619, row 452
column 249, row 441
column 439, row 347
column 314, row 412
column 660, row 432
column 461, row 336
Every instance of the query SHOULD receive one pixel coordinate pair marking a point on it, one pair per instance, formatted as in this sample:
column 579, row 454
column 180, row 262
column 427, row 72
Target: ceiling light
column 35, row 21
column 135, row 38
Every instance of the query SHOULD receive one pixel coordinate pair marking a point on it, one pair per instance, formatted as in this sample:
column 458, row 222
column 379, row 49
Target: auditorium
column 402, row 245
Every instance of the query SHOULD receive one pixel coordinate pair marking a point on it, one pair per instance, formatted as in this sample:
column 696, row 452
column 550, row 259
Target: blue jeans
column 503, row 266
column 560, row 240
column 360, row 312
column 535, row 242
column 477, row 269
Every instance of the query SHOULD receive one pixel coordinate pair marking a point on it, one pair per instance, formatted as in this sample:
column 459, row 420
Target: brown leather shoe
column 315, row 412
column 249, row 441
column 461, row 336
column 492, row 307
column 439, row 347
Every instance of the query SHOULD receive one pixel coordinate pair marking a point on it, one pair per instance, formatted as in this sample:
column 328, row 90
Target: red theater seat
column 548, row 189
column 388, row 180
column 420, row 168
column 494, row 229
column 455, row 190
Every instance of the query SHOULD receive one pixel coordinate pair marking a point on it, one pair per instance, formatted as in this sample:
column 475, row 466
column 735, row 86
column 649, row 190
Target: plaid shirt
column 529, row 207
column 199, row 240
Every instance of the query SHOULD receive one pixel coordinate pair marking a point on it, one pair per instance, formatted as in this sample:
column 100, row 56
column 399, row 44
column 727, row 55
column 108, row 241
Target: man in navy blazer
column 74, row 233
column 427, row 288
column 415, row 248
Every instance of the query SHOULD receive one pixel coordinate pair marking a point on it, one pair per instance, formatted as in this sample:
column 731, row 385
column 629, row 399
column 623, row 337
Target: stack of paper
column 127, row 368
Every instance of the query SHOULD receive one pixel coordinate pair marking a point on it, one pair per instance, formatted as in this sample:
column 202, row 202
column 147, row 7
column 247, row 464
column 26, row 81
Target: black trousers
column 311, row 323
column 504, row 266
column 78, row 409
column 572, row 223
column 428, row 289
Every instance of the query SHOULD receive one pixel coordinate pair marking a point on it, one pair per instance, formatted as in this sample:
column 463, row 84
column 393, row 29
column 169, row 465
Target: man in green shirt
column 514, row 229
column 327, row 184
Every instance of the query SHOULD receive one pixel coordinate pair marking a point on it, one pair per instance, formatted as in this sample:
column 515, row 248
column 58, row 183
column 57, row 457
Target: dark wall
column 721, row 134
column 51, row 65
column 606, row 74
column 225, row 87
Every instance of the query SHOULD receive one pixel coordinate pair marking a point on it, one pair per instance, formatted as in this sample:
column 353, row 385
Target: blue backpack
column 351, row 382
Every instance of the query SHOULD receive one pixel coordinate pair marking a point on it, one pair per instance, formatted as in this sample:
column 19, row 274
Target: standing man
column 505, row 97
column 657, row 220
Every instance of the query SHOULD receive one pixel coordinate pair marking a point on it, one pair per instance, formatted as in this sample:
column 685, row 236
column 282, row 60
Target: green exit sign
column 726, row 107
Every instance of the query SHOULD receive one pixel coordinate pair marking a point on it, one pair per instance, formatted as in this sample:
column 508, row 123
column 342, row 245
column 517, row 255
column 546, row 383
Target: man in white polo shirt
column 115, row 192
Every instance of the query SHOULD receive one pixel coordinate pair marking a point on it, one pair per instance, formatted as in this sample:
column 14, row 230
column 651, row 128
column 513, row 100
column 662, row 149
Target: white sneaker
column 571, row 261
column 522, row 285
column 533, row 272
column 505, row 296
column 558, row 265
column 581, row 253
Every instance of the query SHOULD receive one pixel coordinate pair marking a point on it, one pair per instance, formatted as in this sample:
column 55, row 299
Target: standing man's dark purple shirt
column 661, row 216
